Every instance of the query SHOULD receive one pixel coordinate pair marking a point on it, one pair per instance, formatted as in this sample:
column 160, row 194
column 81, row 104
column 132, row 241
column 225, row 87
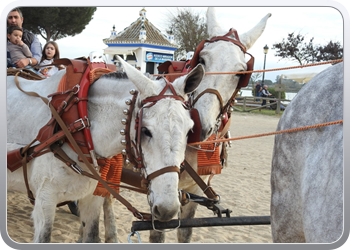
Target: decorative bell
column 127, row 162
column 122, row 132
column 128, row 102
column 125, row 112
column 230, row 110
column 124, row 121
column 123, row 142
column 132, row 91
column 223, row 117
column 124, row 152
column 135, row 169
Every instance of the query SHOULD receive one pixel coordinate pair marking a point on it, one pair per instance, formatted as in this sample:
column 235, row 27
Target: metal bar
column 202, row 222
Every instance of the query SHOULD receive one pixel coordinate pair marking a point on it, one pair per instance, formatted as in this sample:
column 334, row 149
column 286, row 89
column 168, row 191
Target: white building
column 141, row 45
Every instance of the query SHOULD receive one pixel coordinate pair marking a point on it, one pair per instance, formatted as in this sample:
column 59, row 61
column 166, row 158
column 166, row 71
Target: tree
column 188, row 28
column 295, row 48
column 53, row 23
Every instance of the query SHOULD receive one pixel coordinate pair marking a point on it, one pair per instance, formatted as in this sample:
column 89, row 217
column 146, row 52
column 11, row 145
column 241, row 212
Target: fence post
column 278, row 109
column 244, row 103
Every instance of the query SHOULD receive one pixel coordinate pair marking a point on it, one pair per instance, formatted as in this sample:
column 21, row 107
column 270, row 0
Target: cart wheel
column 73, row 207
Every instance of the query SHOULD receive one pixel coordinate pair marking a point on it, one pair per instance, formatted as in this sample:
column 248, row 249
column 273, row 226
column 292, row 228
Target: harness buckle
column 83, row 123
column 76, row 168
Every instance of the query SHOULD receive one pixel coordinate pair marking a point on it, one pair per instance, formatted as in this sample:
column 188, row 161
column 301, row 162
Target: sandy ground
column 244, row 187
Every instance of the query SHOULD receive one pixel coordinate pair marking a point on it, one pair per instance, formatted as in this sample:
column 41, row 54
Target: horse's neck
column 105, row 109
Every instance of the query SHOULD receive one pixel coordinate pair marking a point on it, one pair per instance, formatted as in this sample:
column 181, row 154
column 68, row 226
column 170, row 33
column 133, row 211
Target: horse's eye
column 146, row 132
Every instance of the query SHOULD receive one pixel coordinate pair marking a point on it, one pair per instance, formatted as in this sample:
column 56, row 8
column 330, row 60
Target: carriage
column 146, row 101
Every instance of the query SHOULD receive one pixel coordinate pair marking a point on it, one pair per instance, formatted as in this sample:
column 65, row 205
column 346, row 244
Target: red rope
column 256, row 71
column 267, row 134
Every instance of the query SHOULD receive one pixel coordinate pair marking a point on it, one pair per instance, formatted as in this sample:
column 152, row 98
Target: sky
column 322, row 23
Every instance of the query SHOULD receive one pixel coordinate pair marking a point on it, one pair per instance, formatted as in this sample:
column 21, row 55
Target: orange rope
column 267, row 134
column 256, row 71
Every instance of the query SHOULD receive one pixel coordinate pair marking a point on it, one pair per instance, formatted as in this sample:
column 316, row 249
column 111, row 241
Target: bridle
column 133, row 148
column 243, row 81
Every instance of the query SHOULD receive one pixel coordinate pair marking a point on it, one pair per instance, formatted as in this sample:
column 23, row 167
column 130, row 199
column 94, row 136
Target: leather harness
column 75, row 129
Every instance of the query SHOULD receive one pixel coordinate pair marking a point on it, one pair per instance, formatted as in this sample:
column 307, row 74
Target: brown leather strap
column 74, row 144
column 209, row 192
column 163, row 171
column 61, row 155
column 25, row 174
column 70, row 138
column 211, row 91
column 45, row 100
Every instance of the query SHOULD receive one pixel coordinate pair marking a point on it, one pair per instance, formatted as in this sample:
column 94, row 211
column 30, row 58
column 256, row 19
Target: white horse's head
column 221, row 56
column 163, row 137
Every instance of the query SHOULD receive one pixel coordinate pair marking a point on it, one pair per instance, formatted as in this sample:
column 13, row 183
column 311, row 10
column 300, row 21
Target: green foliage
column 275, row 93
column 295, row 48
column 54, row 23
column 189, row 30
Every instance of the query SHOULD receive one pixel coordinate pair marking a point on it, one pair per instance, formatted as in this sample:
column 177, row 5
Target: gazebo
column 141, row 45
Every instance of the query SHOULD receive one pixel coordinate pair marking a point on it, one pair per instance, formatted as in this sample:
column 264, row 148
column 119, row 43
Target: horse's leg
column 43, row 217
column 109, row 221
column 89, row 211
column 188, row 211
column 156, row 237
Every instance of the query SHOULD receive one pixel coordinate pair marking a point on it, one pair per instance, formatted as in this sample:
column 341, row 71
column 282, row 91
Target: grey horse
column 307, row 166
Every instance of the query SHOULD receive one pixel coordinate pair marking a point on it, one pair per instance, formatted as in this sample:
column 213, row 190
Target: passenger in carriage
column 15, row 18
column 15, row 46
column 50, row 53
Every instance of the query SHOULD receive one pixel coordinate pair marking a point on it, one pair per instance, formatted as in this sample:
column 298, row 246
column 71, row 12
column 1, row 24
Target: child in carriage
column 50, row 53
column 17, row 48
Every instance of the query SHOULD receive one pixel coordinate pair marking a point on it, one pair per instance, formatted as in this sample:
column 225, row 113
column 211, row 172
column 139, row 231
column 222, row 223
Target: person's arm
column 36, row 50
column 26, row 51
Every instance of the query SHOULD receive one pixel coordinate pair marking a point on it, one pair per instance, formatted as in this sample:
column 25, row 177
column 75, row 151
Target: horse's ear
column 214, row 29
column 194, row 78
column 191, row 82
column 142, row 82
column 250, row 37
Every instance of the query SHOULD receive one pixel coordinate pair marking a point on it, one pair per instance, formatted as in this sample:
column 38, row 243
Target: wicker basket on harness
column 25, row 73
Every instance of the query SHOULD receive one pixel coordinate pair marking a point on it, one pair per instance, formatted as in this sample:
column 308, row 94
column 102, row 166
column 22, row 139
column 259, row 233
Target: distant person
column 50, row 53
column 15, row 18
column 265, row 93
column 258, row 89
column 16, row 47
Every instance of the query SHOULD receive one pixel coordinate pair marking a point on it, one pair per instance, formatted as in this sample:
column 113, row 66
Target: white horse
column 164, row 136
column 219, row 56
column 307, row 166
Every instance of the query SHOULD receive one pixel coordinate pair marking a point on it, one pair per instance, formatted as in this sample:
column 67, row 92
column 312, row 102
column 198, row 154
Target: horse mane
column 115, row 75
column 121, row 75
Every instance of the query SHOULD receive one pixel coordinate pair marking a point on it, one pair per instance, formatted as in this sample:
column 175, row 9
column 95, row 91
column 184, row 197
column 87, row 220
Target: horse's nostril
column 156, row 212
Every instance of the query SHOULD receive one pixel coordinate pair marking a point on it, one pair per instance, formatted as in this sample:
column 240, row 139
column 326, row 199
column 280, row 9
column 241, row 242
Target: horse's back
column 27, row 114
column 307, row 166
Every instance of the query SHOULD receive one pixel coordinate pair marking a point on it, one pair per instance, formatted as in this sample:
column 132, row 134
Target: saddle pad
column 110, row 172
column 209, row 162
